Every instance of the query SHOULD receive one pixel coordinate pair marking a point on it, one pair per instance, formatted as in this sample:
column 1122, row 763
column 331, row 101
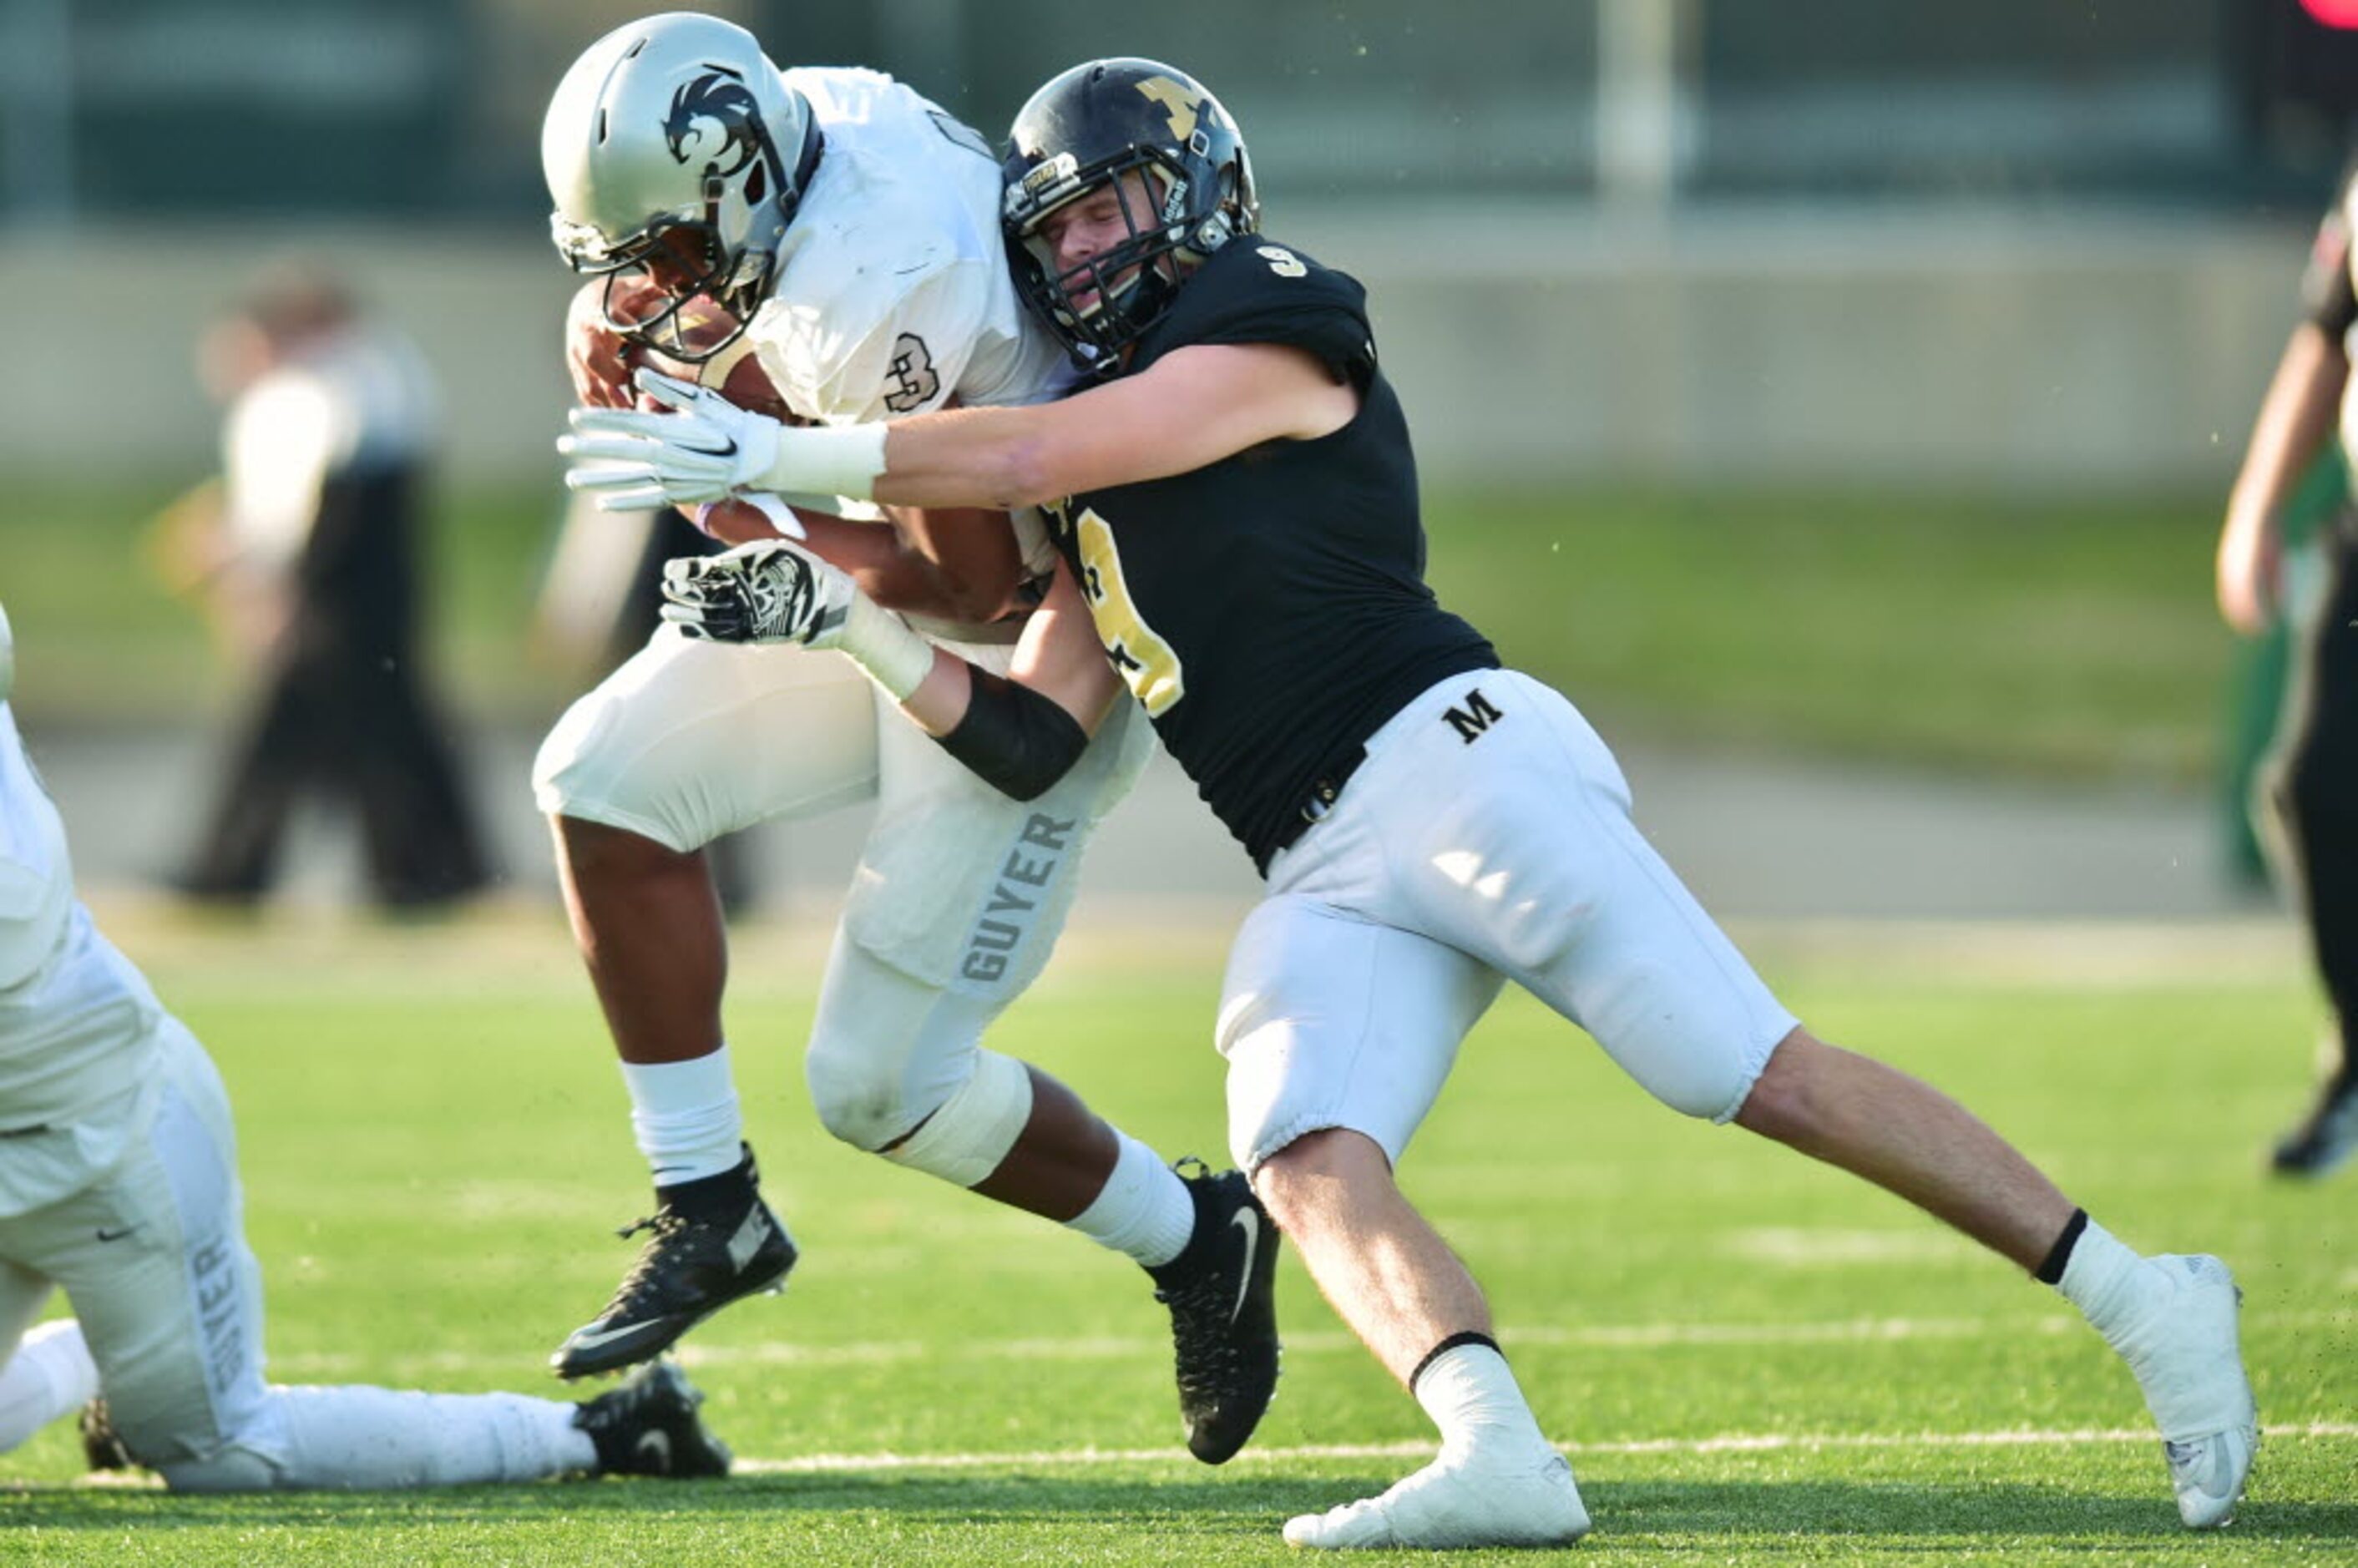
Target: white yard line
column 1110, row 1347
column 1733, row 1443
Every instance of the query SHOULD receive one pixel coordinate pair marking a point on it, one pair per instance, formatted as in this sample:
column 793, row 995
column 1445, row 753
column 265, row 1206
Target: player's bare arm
column 2295, row 420
column 950, row 563
column 1190, row 408
column 956, row 563
column 1021, row 732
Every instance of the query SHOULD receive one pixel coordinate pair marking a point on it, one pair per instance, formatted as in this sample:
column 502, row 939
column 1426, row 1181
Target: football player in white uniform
column 118, row 1183
column 841, row 232
column 1241, row 525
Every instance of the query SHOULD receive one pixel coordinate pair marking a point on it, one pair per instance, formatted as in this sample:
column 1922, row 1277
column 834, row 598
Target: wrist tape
column 828, row 459
column 880, row 643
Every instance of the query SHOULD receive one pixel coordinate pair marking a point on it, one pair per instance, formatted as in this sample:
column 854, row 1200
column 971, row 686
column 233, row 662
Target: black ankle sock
column 1452, row 1343
column 2050, row 1272
column 724, row 1194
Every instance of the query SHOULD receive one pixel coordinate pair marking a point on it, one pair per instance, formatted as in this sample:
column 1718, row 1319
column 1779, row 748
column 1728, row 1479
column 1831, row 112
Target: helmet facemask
column 1105, row 302
column 1167, row 146
column 668, row 284
column 678, row 157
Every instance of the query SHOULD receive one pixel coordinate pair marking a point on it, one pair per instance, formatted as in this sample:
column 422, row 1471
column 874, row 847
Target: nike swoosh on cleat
column 656, row 1447
column 1249, row 1222
column 590, row 1339
column 749, row 1237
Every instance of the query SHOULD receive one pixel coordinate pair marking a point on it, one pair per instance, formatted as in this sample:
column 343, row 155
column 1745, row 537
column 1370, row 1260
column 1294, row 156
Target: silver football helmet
column 676, row 156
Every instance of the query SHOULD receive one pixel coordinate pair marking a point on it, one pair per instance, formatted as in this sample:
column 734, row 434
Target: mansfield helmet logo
column 1180, row 104
column 714, row 120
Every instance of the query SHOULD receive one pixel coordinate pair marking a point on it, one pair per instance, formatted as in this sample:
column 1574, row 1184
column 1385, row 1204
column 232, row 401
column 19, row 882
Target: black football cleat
column 648, row 1425
column 102, row 1445
column 1222, row 1294
column 711, row 1242
column 2325, row 1138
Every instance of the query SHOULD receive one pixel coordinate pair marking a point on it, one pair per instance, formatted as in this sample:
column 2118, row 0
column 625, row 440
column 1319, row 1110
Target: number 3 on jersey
column 1146, row 663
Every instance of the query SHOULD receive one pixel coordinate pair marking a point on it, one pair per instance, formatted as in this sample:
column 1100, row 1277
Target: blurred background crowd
column 1826, row 384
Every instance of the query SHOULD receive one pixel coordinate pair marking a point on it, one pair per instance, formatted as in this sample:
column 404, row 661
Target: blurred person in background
column 307, row 555
column 2260, row 677
column 2310, row 792
column 823, row 244
column 118, row 1185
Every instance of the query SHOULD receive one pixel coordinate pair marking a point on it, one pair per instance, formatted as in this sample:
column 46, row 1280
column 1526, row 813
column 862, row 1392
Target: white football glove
column 705, row 450
column 767, row 591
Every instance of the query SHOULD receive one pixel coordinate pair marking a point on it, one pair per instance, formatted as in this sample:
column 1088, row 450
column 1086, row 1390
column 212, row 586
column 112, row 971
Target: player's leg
column 2315, row 792
column 1533, row 862
column 684, row 742
column 45, row 1371
column 358, row 1438
column 2173, row 1319
column 897, row 1067
column 958, row 901
column 959, row 896
column 155, row 1260
column 1339, row 1033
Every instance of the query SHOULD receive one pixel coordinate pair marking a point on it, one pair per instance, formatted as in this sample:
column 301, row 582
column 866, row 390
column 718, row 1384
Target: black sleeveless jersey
column 1270, row 611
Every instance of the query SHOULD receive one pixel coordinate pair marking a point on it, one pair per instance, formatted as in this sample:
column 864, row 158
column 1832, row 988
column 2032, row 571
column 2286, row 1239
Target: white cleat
column 1463, row 1499
column 2186, row 1359
column 2208, row 1475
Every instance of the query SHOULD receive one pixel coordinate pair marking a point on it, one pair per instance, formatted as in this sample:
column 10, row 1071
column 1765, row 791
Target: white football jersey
column 77, row 1023
column 893, row 295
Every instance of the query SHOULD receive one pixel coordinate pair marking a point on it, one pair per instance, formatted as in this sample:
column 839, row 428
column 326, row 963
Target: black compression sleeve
column 1016, row 741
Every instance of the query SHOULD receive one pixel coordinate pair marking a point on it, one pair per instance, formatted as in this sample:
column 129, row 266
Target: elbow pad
column 1016, row 741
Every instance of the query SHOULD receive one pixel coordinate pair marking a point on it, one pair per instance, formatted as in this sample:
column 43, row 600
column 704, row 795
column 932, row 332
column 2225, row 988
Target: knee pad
column 856, row 1091
column 965, row 1139
column 887, row 1049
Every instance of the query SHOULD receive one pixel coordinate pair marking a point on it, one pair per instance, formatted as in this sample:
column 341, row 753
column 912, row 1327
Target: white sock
column 685, row 1115
column 2103, row 1280
column 49, row 1376
column 1144, row 1212
column 380, row 1439
column 1471, row 1395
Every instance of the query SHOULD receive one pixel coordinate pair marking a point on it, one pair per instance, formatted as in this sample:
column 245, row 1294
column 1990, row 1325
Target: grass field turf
column 1748, row 1358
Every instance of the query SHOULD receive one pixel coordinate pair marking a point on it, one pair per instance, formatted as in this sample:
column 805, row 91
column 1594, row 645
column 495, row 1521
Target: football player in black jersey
column 2310, row 783
column 1241, row 539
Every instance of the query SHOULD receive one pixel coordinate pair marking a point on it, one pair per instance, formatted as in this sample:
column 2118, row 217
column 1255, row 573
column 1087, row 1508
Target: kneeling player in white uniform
column 118, row 1183
column 843, row 232
column 1242, row 529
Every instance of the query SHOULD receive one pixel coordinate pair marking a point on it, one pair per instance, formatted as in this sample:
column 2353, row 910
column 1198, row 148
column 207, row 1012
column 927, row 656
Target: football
column 735, row 372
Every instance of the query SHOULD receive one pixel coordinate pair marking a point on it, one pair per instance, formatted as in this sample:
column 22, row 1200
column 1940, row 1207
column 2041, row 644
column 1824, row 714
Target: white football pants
column 1487, row 837
column 961, row 892
column 152, row 1255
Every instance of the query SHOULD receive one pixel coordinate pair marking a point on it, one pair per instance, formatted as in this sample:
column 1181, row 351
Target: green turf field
column 2058, row 636
column 1749, row 1358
